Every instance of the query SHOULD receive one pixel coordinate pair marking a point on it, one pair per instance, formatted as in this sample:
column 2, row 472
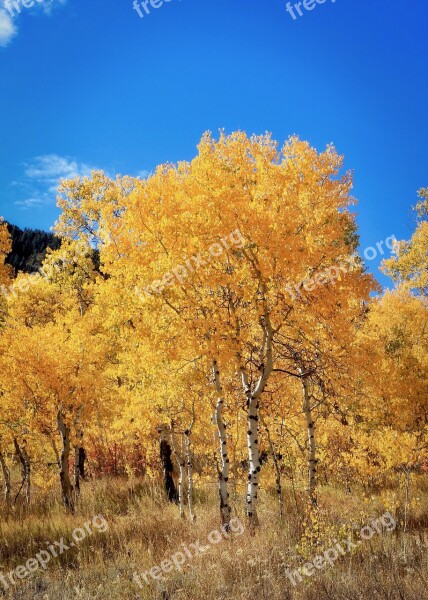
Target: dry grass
column 144, row 530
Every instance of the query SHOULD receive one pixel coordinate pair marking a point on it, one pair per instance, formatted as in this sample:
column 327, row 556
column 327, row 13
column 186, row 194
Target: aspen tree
column 223, row 473
column 206, row 250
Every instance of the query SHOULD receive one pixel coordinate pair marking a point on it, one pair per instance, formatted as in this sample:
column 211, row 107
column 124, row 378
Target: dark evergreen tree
column 29, row 248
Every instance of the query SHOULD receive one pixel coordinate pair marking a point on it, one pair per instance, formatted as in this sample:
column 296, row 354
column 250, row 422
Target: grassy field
column 129, row 528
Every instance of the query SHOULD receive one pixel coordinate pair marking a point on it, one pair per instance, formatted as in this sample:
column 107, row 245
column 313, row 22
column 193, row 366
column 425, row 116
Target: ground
column 122, row 528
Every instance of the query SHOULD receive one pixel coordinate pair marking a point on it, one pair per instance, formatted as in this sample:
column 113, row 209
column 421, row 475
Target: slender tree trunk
column 253, row 393
column 278, row 485
column 79, row 456
column 189, row 476
column 55, row 449
column 82, row 463
column 253, row 405
column 26, row 470
column 182, row 470
column 79, row 464
column 254, row 466
column 223, row 473
column 406, row 471
column 76, row 472
column 168, row 468
column 293, row 478
column 66, row 487
column 312, row 459
column 6, row 478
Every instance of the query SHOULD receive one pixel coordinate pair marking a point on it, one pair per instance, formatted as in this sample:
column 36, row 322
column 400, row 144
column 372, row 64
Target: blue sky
column 90, row 84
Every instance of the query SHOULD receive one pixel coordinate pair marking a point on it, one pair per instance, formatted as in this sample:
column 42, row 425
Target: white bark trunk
column 223, row 473
column 312, row 458
column 278, row 485
column 253, row 397
column 253, row 458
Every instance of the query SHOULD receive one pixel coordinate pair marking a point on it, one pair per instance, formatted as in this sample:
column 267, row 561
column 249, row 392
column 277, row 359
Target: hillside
column 29, row 247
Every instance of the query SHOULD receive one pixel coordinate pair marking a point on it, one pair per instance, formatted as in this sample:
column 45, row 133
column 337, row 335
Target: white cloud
column 143, row 174
column 32, row 202
column 8, row 28
column 9, row 13
column 43, row 174
column 48, row 6
column 53, row 166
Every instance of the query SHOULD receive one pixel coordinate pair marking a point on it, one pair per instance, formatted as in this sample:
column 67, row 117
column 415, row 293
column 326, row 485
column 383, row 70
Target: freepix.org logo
column 181, row 272
column 14, row 7
column 295, row 10
column 144, row 8
column 44, row 557
column 179, row 560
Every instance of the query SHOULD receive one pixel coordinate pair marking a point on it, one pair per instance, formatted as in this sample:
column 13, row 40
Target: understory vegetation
column 144, row 529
